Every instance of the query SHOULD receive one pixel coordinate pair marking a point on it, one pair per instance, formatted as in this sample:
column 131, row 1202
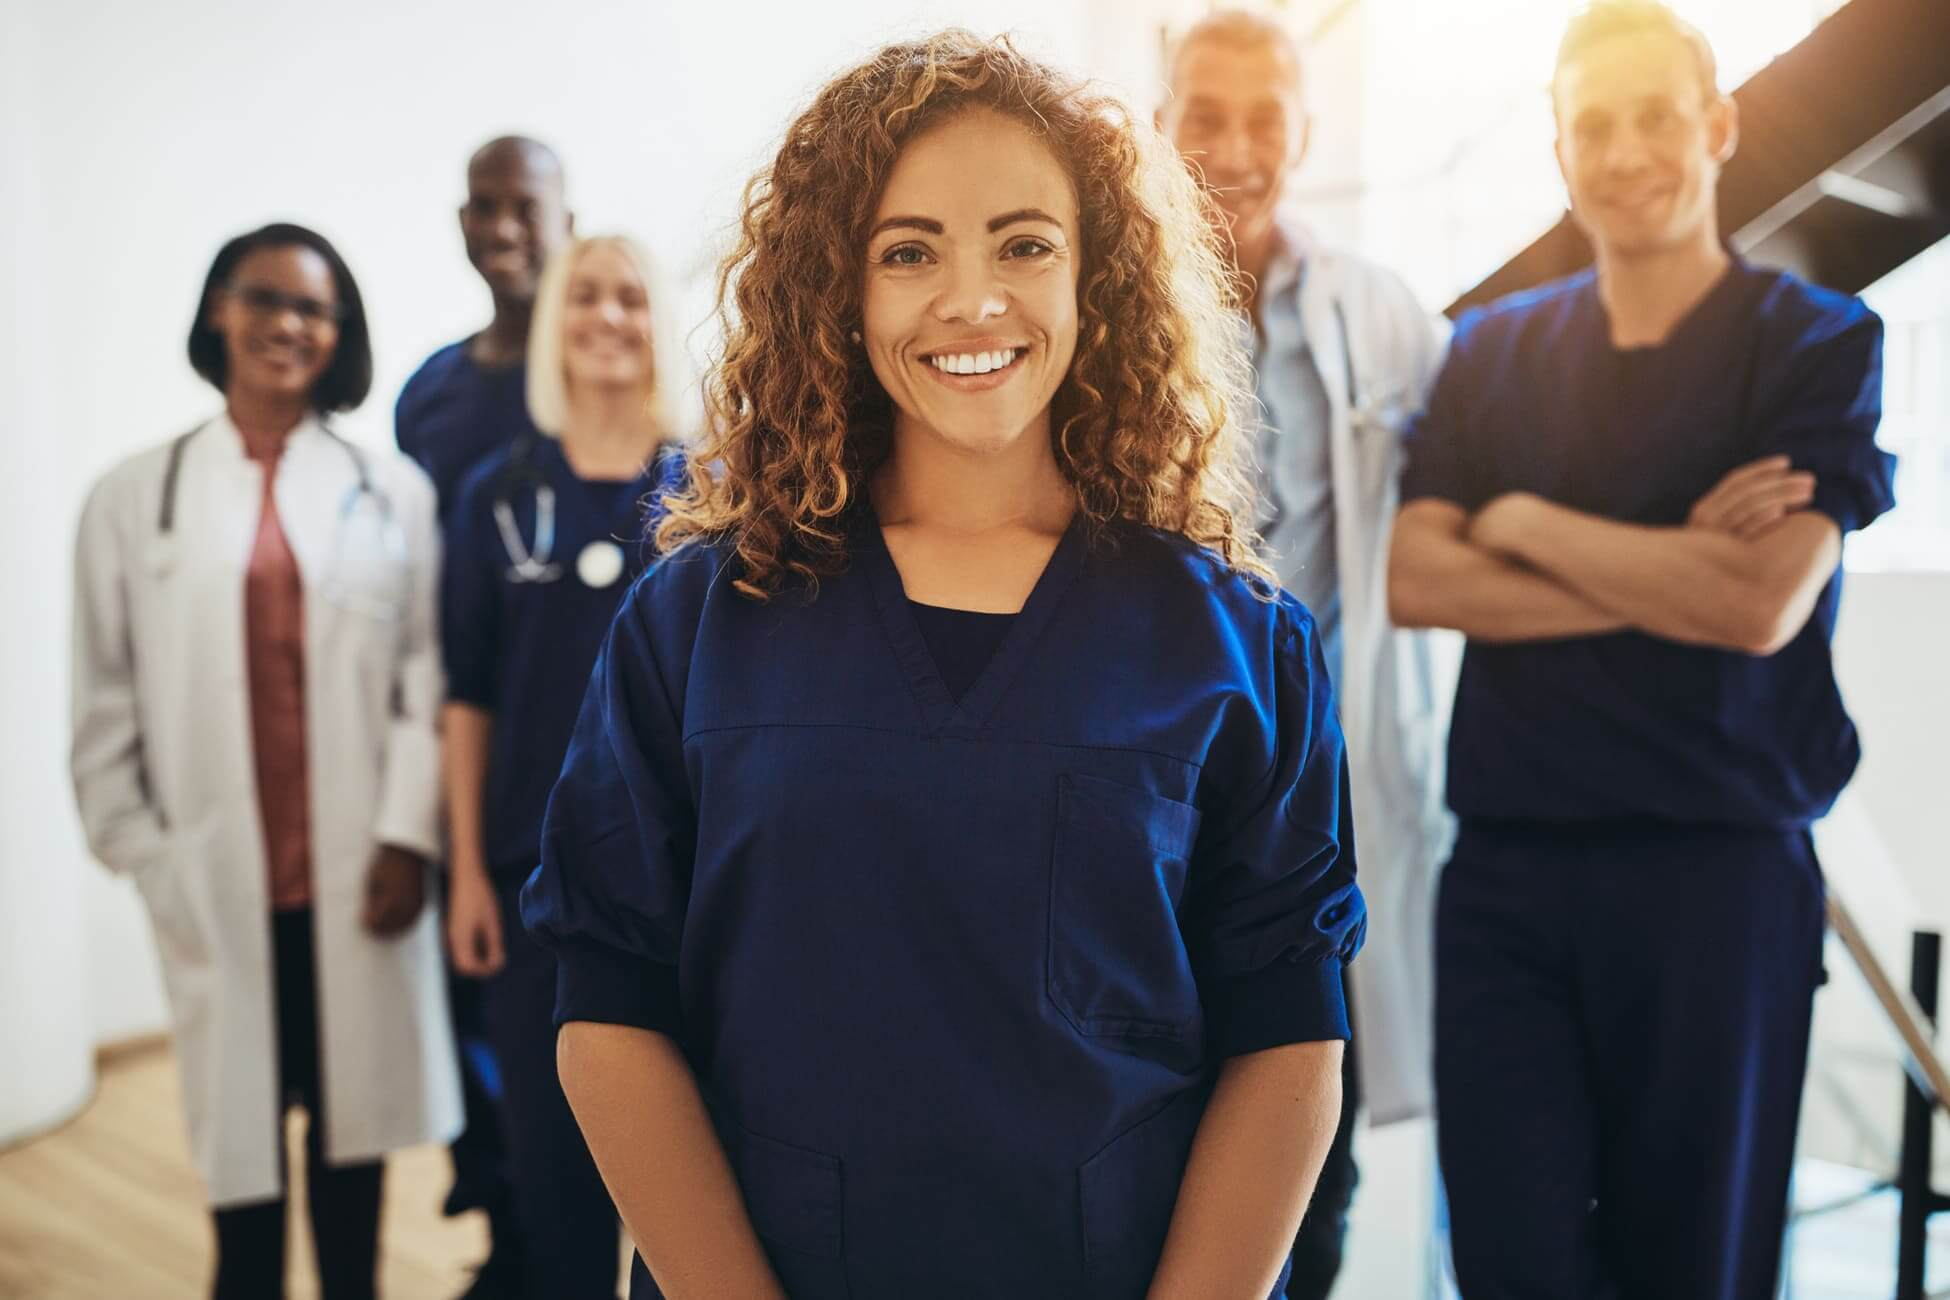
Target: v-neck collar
column 630, row 496
column 1701, row 315
column 941, row 713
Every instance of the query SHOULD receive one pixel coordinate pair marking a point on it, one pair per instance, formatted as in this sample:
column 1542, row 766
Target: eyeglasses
column 263, row 301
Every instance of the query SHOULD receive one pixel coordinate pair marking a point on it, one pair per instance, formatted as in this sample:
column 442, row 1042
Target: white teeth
column 972, row 363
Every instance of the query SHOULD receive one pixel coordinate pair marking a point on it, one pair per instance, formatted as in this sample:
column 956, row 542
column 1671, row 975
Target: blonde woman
column 543, row 539
column 946, row 873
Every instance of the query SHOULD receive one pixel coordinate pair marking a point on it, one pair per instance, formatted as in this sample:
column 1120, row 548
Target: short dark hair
column 1602, row 20
column 348, row 378
column 523, row 148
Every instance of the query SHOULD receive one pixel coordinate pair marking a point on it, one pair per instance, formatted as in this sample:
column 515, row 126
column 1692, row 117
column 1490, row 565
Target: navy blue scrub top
column 956, row 977
column 453, row 413
column 1535, row 398
column 522, row 651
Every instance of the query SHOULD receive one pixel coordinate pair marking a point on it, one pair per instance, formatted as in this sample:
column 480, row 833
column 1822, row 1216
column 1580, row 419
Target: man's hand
column 396, row 890
column 474, row 923
column 1753, row 498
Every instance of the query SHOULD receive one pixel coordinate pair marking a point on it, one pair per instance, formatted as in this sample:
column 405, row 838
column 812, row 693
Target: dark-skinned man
column 465, row 402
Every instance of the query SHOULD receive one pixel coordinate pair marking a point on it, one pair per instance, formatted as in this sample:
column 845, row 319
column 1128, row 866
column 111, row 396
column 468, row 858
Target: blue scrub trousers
column 567, row 1226
column 1622, row 1017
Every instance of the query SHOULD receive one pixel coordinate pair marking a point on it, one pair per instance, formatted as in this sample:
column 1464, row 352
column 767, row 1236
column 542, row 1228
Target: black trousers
column 344, row 1199
column 1322, row 1243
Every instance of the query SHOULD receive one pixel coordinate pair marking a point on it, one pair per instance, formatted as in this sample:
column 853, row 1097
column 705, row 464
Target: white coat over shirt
column 1364, row 325
column 166, row 782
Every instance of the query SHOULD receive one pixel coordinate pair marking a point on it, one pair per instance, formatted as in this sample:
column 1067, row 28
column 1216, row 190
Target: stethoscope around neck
column 364, row 497
column 599, row 564
column 526, row 564
column 1367, row 411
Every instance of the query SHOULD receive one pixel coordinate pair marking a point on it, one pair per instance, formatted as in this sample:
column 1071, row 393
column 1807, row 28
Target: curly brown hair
column 1146, row 425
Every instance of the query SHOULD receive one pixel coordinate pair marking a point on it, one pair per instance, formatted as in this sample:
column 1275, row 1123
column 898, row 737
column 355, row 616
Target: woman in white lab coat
column 256, row 682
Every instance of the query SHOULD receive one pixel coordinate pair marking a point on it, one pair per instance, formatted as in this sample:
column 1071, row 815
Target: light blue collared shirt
column 1295, row 468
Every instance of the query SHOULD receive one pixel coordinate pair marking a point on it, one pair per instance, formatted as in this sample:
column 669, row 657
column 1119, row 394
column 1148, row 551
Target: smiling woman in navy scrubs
column 543, row 538
column 947, row 874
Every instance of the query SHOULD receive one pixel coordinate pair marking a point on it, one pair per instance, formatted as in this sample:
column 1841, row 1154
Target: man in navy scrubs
column 466, row 401
column 1629, row 491
column 1341, row 353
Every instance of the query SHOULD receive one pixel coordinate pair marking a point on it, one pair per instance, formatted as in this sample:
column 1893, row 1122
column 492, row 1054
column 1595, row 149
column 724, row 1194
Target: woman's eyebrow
column 1022, row 214
column 924, row 224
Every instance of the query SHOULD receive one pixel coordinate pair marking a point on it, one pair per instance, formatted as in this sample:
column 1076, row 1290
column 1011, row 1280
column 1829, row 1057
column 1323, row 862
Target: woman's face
column 606, row 338
column 970, row 302
column 279, row 318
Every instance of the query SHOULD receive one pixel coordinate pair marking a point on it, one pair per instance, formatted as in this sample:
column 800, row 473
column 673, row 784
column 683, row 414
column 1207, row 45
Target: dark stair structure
column 1843, row 169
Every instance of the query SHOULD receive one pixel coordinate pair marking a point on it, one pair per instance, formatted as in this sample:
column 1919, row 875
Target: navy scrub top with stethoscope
column 956, row 976
column 537, row 561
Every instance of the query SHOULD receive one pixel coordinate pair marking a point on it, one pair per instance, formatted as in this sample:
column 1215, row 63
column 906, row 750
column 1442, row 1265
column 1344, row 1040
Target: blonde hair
column 548, row 382
column 1147, row 425
column 1602, row 20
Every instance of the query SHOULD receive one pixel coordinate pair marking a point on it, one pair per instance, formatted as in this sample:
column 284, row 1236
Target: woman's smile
column 977, row 366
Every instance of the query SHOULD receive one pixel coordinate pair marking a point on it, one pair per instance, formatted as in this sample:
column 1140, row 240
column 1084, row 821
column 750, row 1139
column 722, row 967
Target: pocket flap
column 1169, row 826
column 1130, row 1188
column 791, row 1193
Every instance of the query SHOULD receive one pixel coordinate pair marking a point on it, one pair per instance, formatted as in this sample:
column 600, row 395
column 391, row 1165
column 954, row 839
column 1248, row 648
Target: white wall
column 1883, row 851
column 45, row 1049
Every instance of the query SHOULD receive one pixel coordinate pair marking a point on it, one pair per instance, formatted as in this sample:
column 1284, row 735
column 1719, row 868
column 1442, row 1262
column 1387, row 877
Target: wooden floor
column 111, row 1206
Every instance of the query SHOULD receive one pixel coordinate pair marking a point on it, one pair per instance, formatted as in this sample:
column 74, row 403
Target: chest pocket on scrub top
column 1118, row 969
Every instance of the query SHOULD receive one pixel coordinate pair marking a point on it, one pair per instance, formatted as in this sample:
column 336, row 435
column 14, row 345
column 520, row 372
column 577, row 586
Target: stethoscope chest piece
column 600, row 564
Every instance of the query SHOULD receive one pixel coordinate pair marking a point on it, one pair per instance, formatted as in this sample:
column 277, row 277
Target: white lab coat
column 1396, row 686
column 166, row 782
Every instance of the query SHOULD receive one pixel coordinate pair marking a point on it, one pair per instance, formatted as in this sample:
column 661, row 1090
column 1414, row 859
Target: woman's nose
column 973, row 294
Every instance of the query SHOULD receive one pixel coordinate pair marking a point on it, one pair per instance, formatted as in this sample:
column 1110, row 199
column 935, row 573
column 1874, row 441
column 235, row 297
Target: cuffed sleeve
column 1291, row 1001
column 618, row 841
column 106, row 758
column 1825, row 420
column 1273, row 911
column 613, row 987
column 409, row 792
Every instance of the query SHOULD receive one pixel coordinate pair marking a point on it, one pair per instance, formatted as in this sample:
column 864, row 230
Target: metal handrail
column 1920, row 1061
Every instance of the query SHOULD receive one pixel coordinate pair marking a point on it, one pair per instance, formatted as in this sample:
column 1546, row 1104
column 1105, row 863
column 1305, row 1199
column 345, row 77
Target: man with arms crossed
column 1629, row 491
column 1343, row 354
